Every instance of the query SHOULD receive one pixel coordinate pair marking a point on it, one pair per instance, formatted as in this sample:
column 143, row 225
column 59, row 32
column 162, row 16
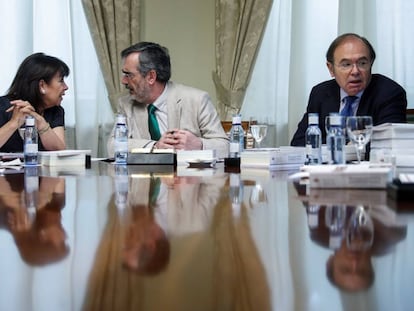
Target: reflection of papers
column 385, row 215
column 189, row 171
column 348, row 197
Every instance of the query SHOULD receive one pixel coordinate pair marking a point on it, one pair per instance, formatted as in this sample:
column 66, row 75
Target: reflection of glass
column 259, row 132
column 360, row 231
column 258, row 195
column 359, row 129
column 335, row 217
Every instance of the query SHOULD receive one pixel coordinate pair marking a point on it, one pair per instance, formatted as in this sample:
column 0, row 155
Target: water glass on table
column 359, row 130
column 259, row 132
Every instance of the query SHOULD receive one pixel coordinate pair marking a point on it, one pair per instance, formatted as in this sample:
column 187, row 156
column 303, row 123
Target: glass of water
column 259, row 132
column 359, row 130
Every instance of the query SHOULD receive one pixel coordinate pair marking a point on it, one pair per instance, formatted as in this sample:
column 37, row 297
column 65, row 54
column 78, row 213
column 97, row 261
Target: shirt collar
column 161, row 101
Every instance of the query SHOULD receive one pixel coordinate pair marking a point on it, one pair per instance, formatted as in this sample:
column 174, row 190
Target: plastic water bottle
column 31, row 147
column 335, row 140
column 313, row 139
column 236, row 193
column 121, row 186
column 121, row 140
column 236, row 137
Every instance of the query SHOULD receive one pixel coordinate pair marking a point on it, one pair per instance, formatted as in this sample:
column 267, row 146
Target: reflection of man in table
column 351, row 270
column 205, row 243
column 186, row 203
column 161, row 208
column 40, row 237
column 146, row 248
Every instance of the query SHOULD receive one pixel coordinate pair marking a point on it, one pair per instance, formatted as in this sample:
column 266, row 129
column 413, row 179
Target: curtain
column 114, row 26
column 59, row 28
column 239, row 28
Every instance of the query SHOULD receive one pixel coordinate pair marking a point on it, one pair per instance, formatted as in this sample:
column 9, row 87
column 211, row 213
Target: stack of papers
column 359, row 176
column 282, row 158
column 63, row 157
column 11, row 166
column 350, row 153
column 393, row 142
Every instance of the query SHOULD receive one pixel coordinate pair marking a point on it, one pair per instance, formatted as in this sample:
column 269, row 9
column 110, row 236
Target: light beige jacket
column 188, row 109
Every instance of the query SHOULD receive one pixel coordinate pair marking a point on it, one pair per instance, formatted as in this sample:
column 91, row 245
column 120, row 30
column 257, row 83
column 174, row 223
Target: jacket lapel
column 174, row 107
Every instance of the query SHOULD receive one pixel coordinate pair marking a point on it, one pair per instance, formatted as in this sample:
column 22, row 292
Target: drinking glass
column 360, row 231
column 259, row 132
column 359, row 129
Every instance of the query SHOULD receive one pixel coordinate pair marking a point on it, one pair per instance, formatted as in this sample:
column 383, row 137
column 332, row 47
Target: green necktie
column 154, row 129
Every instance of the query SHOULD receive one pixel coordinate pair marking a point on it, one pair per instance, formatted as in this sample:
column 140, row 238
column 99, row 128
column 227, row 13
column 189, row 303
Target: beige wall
column 186, row 28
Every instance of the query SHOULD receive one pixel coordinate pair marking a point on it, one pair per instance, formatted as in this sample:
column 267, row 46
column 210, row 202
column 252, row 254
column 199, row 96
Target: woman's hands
column 20, row 110
column 52, row 139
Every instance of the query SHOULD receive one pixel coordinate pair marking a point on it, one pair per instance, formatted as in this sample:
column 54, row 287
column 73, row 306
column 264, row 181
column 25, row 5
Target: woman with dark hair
column 37, row 90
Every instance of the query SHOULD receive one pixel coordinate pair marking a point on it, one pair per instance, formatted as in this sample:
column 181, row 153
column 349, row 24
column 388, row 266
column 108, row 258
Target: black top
column 383, row 99
column 54, row 115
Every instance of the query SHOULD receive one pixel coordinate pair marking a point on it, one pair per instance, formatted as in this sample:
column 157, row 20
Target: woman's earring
column 42, row 91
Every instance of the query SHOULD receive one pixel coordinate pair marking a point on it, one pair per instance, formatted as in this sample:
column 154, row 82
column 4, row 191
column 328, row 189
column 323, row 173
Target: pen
column 153, row 147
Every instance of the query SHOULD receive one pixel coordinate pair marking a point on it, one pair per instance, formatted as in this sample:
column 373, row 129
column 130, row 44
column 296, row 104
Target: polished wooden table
column 148, row 238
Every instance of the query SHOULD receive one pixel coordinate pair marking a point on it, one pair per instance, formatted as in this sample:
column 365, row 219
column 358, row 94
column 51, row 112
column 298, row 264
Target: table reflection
column 357, row 225
column 151, row 238
column 176, row 237
column 31, row 211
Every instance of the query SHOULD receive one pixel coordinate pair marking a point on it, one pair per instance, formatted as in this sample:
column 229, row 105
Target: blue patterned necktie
column 153, row 126
column 347, row 110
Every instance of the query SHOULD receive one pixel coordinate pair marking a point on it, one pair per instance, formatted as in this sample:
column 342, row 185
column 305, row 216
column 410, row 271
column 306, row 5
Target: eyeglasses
column 128, row 75
column 362, row 65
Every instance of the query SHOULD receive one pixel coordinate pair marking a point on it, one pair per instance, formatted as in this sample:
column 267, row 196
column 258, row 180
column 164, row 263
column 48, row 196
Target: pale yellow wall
column 186, row 28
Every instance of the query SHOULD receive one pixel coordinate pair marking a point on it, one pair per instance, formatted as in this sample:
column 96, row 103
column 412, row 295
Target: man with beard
column 349, row 59
column 185, row 117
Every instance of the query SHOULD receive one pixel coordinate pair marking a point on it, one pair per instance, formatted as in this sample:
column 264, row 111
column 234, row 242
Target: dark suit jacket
column 383, row 99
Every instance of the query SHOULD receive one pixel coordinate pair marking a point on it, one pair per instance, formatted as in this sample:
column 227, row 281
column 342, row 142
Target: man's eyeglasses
column 362, row 65
column 128, row 75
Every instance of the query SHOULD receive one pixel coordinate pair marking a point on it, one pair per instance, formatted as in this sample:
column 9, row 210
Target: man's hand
column 180, row 140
